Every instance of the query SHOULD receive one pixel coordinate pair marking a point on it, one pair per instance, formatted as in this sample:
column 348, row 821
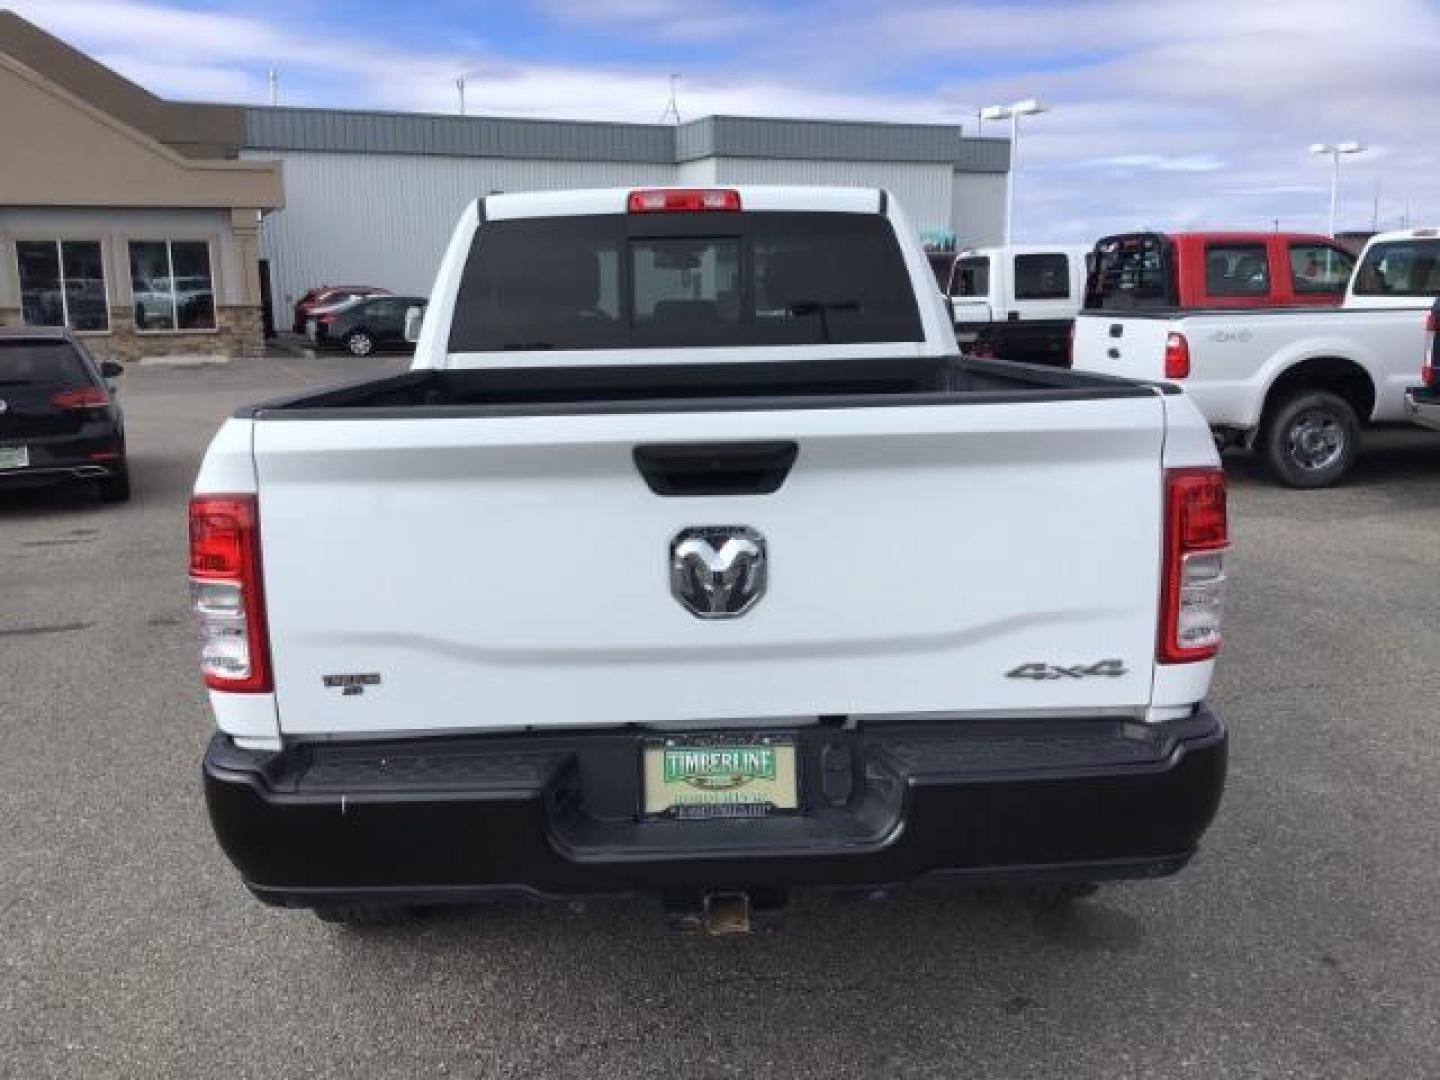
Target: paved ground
column 1304, row 942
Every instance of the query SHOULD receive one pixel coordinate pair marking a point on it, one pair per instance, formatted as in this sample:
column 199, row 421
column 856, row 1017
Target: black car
column 59, row 421
column 364, row 325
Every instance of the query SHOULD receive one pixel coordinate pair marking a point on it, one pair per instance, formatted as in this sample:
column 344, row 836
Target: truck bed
column 536, row 391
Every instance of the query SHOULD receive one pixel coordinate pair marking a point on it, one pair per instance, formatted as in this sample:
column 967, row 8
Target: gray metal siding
column 455, row 136
column 809, row 140
column 343, row 131
column 384, row 219
column 983, row 155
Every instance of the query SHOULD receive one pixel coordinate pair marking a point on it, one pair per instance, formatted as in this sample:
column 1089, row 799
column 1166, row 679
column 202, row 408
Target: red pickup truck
column 1217, row 270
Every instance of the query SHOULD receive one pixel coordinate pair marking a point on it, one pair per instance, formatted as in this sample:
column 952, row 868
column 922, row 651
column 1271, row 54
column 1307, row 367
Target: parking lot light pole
column 1028, row 107
column 1335, row 151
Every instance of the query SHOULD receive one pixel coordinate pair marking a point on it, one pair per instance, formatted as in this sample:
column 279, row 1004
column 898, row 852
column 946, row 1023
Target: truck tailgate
column 1111, row 344
column 449, row 573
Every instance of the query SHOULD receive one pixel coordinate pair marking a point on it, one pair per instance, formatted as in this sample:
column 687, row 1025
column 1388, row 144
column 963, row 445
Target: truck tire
column 364, row 914
column 1310, row 439
column 359, row 343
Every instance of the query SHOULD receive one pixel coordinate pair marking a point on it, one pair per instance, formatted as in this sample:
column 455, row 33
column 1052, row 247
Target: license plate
column 710, row 777
column 14, row 457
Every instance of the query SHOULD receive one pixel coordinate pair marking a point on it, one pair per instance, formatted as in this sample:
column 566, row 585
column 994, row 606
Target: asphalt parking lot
column 1303, row 942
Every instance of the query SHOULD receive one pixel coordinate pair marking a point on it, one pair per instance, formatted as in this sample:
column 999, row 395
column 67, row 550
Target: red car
column 1218, row 270
column 324, row 295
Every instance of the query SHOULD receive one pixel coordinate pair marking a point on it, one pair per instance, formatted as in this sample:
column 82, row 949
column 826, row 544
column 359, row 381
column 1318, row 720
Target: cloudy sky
column 1164, row 113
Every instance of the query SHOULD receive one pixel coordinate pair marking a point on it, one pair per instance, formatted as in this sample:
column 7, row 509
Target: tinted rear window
column 972, row 277
column 1131, row 272
column 1402, row 268
column 649, row 281
column 41, row 363
column 1042, row 277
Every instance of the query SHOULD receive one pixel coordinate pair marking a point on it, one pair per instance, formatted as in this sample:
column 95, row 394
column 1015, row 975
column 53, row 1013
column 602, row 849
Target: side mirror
column 414, row 317
column 110, row 369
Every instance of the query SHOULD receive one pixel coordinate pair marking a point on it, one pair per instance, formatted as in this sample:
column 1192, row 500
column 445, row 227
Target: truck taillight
column 226, row 598
column 1177, row 356
column 676, row 200
column 1429, row 375
column 1192, row 591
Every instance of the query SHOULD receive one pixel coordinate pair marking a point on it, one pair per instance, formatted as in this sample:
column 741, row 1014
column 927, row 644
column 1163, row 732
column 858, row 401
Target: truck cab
column 1398, row 269
column 1017, row 302
column 1208, row 270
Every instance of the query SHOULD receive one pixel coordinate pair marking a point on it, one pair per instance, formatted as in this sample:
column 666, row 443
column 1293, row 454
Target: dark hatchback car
column 363, row 326
column 59, row 421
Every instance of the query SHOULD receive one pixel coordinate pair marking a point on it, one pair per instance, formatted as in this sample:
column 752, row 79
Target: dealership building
column 159, row 227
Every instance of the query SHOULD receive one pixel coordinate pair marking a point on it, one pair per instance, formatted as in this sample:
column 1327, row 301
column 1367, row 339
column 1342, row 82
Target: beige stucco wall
column 60, row 151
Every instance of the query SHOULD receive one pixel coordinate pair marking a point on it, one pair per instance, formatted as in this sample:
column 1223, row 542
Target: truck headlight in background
column 1192, row 598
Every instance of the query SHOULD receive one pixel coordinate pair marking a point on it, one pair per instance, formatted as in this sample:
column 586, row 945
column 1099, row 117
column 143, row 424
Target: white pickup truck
column 691, row 560
column 1294, row 384
column 1017, row 302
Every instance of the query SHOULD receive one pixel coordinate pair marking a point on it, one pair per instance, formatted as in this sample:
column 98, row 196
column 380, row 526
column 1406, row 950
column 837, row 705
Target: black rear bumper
column 556, row 815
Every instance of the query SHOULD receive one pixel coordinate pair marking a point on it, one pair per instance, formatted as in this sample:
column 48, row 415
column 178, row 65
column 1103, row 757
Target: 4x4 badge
column 1109, row 669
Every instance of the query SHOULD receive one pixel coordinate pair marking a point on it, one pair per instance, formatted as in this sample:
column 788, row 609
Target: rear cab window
column 972, row 277
column 1237, row 269
column 1400, row 268
column 42, row 363
column 1042, row 276
column 684, row 279
column 1319, row 268
column 1131, row 271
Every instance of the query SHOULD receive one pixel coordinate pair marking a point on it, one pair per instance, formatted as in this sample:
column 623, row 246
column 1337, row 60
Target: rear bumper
column 457, row 819
column 62, row 459
column 1422, row 405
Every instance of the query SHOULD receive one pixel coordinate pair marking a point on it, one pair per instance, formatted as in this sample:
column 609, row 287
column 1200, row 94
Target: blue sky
column 1164, row 114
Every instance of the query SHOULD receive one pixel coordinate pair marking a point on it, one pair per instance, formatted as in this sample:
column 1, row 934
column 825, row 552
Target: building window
column 171, row 285
column 62, row 283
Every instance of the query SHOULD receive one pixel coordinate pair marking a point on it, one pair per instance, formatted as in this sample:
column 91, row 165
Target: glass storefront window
column 62, row 283
column 171, row 285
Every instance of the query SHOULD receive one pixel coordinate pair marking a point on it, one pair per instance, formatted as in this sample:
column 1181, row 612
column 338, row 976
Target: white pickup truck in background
column 690, row 559
column 1296, row 385
column 1017, row 302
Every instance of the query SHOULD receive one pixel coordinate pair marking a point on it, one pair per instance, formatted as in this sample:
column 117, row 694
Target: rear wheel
column 359, row 343
column 1310, row 439
column 115, row 487
column 365, row 914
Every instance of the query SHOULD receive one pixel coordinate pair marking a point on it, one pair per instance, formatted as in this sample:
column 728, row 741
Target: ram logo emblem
column 718, row 571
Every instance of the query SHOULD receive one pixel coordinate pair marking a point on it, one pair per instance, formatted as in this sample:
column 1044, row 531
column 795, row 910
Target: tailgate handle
column 1117, row 329
column 686, row 469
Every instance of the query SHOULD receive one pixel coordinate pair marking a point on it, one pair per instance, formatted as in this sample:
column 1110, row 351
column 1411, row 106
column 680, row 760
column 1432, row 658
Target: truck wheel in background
column 365, row 914
column 1310, row 438
column 359, row 343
